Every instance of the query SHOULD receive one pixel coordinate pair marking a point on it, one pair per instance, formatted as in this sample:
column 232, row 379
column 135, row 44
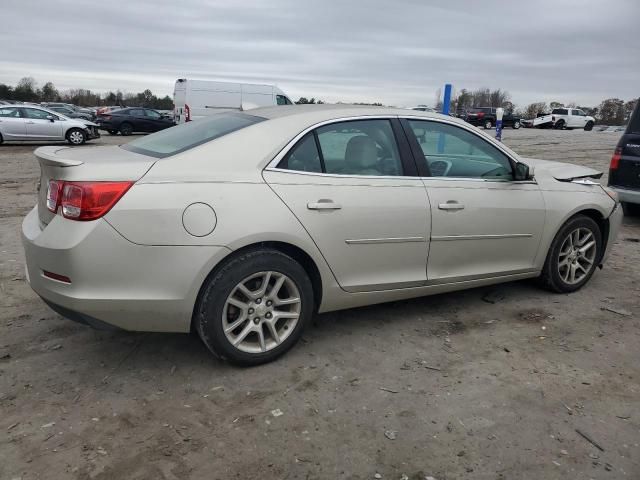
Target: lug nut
column 269, row 303
column 259, row 300
column 251, row 310
column 256, row 320
column 269, row 315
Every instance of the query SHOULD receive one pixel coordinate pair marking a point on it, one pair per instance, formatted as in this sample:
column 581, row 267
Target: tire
column 126, row 129
column 76, row 136
column 488, row 125
column 516, row 125
column 1, row 140
column 588, row 127
column 552, row 277
column 113, row 132
column 559, row 125
column 250, row 269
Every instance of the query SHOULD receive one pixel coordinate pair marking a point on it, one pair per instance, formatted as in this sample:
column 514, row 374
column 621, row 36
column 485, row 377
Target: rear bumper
column 626, row 195
column 114, row 282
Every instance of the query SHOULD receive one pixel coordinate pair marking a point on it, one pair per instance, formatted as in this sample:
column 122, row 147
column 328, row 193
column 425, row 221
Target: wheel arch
column 293, row 251
column 603, row 224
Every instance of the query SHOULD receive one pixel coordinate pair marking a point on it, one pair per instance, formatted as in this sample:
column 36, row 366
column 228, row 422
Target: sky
column 398, row 52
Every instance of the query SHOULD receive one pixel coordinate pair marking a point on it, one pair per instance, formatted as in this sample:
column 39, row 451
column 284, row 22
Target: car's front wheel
column 588, row 127
column 573, row 256
column 75, row 136
column 255, row 307
column 488, row 124
column 516, row 125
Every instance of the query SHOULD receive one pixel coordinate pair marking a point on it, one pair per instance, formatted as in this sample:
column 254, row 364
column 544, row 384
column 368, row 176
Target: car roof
column 319, row 113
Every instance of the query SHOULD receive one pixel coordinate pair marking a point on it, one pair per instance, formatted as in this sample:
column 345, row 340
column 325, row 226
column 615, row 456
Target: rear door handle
column 324, row 204
column 451, row 205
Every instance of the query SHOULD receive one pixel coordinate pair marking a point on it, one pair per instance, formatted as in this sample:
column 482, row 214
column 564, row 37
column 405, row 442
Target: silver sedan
column 33, row 123
column 243, row 225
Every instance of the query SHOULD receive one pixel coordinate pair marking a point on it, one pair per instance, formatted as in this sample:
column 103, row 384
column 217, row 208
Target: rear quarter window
column 184, row 137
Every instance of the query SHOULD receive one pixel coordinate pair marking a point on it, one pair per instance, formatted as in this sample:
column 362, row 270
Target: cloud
column 396, row 52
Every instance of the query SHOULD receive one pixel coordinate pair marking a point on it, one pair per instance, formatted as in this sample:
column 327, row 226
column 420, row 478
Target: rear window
column 191, row 134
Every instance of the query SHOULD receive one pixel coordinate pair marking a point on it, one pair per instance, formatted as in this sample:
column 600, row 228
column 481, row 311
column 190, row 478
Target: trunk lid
column 110, row 163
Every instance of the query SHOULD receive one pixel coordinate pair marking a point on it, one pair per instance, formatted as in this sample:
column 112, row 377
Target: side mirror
column 50, row 118
column 523, row 172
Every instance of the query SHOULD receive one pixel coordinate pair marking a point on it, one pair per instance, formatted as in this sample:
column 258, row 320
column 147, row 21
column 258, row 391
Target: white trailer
column 194, row 99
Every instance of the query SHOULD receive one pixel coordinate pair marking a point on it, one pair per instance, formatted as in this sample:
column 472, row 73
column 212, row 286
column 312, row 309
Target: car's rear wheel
column 516, row 125
column 559, row 125
column 588, row 127
column 126, row 129
column 255, row 307
column 488, row 124
column 75, row 136
column 573, row 256
column 1, row 140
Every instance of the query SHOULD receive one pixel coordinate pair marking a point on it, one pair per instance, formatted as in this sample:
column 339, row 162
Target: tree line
column 611, row 111
column 27, row 90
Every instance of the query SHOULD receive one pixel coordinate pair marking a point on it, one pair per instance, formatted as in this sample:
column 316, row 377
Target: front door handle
column 324, row 204
column 451, row 205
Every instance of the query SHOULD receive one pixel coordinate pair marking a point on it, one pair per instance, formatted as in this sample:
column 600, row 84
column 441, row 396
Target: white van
column 195, row 99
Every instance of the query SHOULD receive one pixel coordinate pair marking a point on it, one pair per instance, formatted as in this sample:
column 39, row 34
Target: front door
column 348, row 185
column 12, row 125
column 483, row 223
column 39, row 127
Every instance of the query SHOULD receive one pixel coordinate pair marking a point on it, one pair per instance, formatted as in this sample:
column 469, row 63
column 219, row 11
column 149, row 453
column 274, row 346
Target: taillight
column 53, row 195
column 104, row 116
column 615, row 159
column 187, row 113
column 84, row 200
column 480, row 114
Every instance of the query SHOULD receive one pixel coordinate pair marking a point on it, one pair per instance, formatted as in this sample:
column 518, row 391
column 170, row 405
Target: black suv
column 486, row 117
column 624, row 170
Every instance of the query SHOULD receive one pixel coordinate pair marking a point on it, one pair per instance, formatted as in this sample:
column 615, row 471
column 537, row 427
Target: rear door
column 39, row 127
column 626, row 173
column 139, row 120
column 354, row 188
column 12, row 125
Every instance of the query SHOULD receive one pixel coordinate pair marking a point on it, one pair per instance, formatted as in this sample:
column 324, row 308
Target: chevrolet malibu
column 242, row 226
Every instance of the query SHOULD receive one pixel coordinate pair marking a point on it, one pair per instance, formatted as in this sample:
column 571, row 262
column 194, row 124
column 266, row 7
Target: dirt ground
column 450, row 386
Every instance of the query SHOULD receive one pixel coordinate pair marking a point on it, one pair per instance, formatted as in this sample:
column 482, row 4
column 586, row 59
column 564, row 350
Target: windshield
column 191, row 134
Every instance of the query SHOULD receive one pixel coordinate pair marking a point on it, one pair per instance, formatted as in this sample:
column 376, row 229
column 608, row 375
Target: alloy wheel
column 261, row 312
column 577, row 256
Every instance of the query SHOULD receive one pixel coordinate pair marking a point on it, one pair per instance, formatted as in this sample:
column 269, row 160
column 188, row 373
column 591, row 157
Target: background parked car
column 26, row 122
column 86, row 112
column 486, row 117
column 70, row 113
column 107, row 109
column 130, row 120
column 624, row 169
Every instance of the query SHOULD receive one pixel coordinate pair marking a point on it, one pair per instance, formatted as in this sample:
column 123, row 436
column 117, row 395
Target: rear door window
column 10, row 112
column 189, row 135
